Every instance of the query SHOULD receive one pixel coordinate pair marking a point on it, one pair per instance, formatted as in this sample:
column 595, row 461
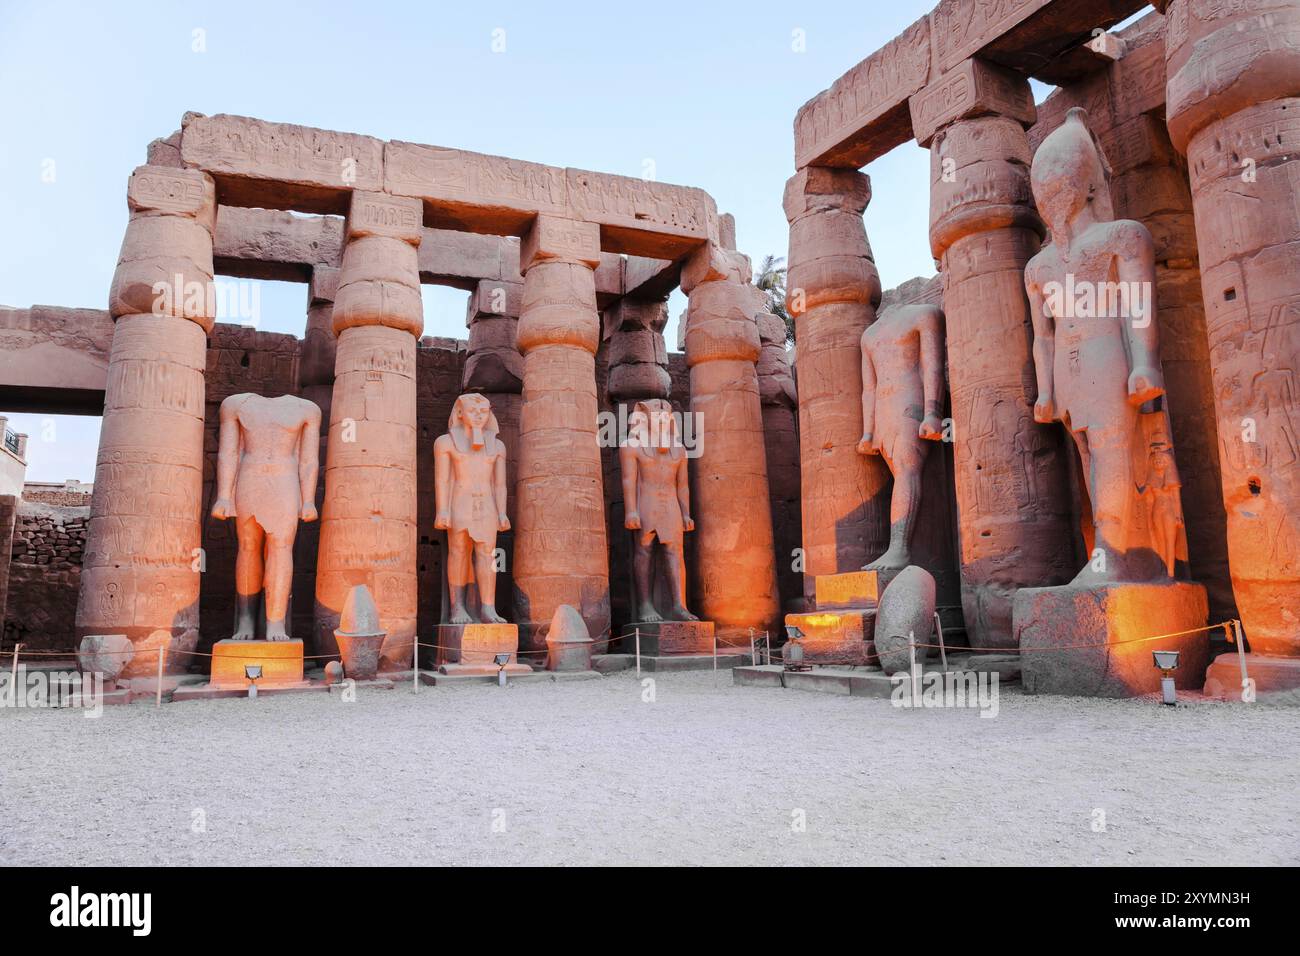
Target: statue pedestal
column 840, row 630
column 281, row 663
column 1046, row 621
column 670, row 637
column 851, row 590
column 472, row 648
column 1276, row 679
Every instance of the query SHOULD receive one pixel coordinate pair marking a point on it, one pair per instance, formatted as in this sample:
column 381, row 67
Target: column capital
column 972, row 88
column 379, row 214
column 165, row 191
column 824, row 188
column 494, row 298
column 552, row 238
column 713, row 263
column 323, row 285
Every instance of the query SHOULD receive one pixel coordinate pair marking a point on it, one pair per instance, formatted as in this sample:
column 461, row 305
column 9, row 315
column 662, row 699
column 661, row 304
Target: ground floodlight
column 1167, row 661
column 254, row 673
column 501, row 661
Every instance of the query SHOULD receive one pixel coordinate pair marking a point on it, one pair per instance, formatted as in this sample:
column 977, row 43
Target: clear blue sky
column 707, row 91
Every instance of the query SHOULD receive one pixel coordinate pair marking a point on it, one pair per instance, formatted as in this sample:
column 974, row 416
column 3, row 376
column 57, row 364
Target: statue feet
column 460, row 616
column 680, row 613
column 490, row 615
column 648, row 615
column 275, row 631
column 895, row 559
column 244, row 631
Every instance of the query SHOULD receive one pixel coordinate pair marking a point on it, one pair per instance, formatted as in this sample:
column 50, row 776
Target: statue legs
column 485, row 574
column 904, row 504
column 1108, row 471
column 263, row 565
column 642, row 571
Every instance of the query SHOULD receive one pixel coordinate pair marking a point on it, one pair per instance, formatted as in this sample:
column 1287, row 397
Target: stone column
column 1015, row 517
column 735, row 557
column 1232, row 107
column 140, row 574
column 780, row 401
column 561, row 555
column 833, row 291
column 368, row 524
column 494, row 368
column 636, row 368
column 316, row 384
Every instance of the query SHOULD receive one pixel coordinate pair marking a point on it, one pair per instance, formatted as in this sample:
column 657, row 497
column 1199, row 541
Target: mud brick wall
column 44, row 574
column 242, row 359
column 8, row 515
column 66, row 499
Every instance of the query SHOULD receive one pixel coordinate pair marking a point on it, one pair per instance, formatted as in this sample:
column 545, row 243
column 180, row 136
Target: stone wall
column 44, row 574
column 65, row 499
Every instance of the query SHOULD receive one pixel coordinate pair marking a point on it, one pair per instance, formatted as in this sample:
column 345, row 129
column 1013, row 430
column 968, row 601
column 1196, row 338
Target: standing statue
column 267, row 463
column 657, row 504
column 470, row 489
column 902, row 409
column 1096, row 356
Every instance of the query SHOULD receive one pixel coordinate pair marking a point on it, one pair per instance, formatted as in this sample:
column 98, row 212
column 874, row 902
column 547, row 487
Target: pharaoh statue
column 267, row 463
column 902, row 409
column 1097, row 361
column 657, row 505
column 470, row 490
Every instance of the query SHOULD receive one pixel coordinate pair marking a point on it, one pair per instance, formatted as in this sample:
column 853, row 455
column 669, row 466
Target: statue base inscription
column 852, row 590
column 281, row 663
column 670, row 637
column 473, row 648
column 1109, row 620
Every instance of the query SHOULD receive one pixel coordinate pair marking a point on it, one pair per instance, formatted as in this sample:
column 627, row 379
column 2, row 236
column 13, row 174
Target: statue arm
column 499, row 487
column 866, row 446
column 628, row 467
column 684, row 493
column 1137, row 270
column 1044, row 350
column 309, row 462
column 229, row 448
column 442, row 483
column 930, row 332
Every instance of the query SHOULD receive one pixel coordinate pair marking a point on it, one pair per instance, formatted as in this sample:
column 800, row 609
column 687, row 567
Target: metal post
column 162, row 656
column 638, row 652
column 13, row 670
column 916, row 677
column 943, row 651
column 715, row 658
column 415, row 667
column 1241, row 655
column 753, row 654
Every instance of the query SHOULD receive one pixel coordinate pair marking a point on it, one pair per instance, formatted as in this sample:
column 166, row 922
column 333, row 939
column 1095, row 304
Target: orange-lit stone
column 281, row 662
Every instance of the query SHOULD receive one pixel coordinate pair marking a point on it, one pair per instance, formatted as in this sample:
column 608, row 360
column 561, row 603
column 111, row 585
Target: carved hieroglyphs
column 141, row 569
column 368, row 523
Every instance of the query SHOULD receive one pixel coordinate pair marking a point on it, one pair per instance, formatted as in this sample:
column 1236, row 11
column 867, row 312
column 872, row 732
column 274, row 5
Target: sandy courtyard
column 586, row 772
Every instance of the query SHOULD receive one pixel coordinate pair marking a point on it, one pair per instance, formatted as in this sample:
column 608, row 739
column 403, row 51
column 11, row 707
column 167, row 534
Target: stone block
column 1086, row 640
column 476, row 643
column 973, row 88
column 853, row 589
column 1276, row 679
column 551, row 237
column 839, row 637
column 281, row 662
column 670, row 637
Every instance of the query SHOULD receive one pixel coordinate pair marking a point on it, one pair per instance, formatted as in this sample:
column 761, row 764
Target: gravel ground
column 587, row 772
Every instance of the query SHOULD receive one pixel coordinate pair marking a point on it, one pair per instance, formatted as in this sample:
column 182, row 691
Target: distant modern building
column 13, row 459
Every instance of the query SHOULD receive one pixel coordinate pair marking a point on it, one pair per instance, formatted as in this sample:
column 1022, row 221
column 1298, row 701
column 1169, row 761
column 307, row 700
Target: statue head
column 652, row 424
column 472, row 424
column 1070, row 174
